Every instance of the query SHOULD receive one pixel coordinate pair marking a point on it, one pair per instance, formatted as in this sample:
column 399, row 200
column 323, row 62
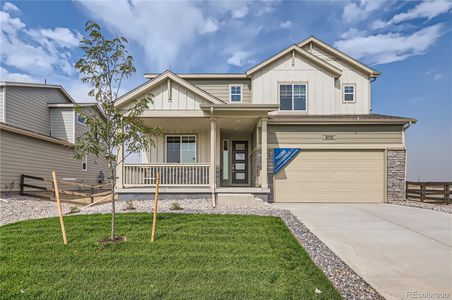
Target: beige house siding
column 20, row 154
column 62, row 123
column 324, row 91
column 350, row 74
column 220, row 87
column 334, row 134
column 26, row 107
column 2, row 104
column 181, row 98
column 157, row 154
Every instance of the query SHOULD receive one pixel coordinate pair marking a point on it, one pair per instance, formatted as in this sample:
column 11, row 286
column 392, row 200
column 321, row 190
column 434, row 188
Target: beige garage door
column 332, row 176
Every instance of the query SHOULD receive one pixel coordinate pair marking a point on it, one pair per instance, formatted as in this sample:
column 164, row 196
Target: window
column 81, row 119
column 293, row 97
column 349, row 93
column 225, row 160
column 235, row 93
column 85, row 163
column 181, row 149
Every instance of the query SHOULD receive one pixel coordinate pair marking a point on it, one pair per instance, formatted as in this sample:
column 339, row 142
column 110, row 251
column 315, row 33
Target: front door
column 239, row 162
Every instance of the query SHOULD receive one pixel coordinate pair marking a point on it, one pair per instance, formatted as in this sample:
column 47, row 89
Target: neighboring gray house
column 223, row 132
column 38, row 127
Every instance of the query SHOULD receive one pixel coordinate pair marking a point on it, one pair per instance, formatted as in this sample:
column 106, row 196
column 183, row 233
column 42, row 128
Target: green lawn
column 193, row 257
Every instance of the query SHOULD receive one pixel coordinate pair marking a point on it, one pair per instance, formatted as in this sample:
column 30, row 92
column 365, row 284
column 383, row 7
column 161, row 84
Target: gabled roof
column 324, row 46
column 332, row 69
column 161, row 78
column 38, row 85
column 203, row 75
column 86, row 104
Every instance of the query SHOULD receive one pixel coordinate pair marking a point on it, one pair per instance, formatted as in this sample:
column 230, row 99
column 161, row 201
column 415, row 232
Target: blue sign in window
column 281, row 156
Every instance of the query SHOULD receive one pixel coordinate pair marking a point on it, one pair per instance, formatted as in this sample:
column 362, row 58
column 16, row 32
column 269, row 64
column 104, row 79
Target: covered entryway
column 332, row 176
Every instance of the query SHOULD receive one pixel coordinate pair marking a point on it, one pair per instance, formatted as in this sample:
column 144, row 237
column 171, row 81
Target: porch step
column 238, row 200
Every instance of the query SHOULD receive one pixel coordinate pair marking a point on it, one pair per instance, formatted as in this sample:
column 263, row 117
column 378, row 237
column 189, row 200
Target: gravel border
column 349, row 284
column 446, row 208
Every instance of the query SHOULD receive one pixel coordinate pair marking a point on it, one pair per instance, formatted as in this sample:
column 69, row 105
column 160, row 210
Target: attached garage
column 332, row 176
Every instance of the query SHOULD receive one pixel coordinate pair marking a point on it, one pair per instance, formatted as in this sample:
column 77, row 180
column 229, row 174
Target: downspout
column 405, row 127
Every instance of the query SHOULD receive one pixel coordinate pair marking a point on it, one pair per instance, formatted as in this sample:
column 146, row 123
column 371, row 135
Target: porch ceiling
column 227, row 124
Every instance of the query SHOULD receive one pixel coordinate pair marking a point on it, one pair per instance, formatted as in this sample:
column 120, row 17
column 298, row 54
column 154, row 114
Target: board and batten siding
column 62, row 123
column 181, row 98
column 324, row 91
column 157, row 154
column 342, row 134
column 350, row 75
column 220, row 87
column 2, row 104
column 26, row 107
column 26, row 155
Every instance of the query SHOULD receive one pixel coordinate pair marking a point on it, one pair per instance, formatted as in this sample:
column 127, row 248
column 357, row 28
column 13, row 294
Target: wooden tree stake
column 156, row 200
column 60, row 212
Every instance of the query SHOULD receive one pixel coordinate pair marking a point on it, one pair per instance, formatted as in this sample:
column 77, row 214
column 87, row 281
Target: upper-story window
column 81, row 119
column 235, row 93
column 293, row 97
column 349, row 93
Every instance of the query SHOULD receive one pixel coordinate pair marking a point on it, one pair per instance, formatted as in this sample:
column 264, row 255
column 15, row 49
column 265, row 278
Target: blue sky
column 409, row 42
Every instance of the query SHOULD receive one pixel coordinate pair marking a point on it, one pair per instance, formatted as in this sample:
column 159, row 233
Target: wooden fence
column 72, row 192
column 434, row 192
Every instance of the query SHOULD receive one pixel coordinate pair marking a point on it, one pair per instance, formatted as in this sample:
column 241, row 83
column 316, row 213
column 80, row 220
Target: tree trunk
column 113, row 212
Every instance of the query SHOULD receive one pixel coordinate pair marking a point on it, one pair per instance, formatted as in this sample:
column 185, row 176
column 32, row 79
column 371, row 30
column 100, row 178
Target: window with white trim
column 181, row 149
column 85, row 163
column 81, row 119
column 293, row 97
column 235, row 93
column 349, row 93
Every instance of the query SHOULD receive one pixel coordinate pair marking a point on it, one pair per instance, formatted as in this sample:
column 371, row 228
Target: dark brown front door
column 240, row 162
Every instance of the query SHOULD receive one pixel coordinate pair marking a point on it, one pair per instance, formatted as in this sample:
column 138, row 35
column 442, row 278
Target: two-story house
column 297, row 127
column 38, row 127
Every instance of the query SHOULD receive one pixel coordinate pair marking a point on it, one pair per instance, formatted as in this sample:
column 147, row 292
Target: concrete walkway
column 403, row 252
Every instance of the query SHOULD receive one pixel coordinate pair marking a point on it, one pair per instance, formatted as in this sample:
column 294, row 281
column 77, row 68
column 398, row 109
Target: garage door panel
column 332, row 176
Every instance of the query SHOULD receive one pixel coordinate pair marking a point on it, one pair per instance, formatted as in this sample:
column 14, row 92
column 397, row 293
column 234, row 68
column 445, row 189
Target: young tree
column 104, row 65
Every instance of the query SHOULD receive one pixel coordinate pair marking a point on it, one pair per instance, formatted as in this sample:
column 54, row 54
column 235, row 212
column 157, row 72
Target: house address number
column 329, row 137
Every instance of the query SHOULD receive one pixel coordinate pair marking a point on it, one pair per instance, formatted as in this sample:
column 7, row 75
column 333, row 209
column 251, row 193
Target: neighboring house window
column 181, row 149
column 85, row 163
column 81, row 119
column 349, row 93
column 293, row 97
column 235, row 93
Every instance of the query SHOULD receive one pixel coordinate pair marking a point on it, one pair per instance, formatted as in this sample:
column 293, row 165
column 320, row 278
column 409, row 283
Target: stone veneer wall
column 396, row 175
column 270, row 174
column 256, row 165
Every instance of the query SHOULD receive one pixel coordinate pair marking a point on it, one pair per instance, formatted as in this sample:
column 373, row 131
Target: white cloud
column 211, row 25
column 426, row 9
column 9, row 7
column 162, row 29
column 239, row 58
column 286, row 24
column 353, row 32
column 390, row 47
column 438, row 76
column 358, row 11
column 240, row 13
column 37, row 52
column 434, row 74
column 5, row 75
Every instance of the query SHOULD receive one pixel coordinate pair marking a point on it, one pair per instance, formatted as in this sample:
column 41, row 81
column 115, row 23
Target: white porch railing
column 170, row 174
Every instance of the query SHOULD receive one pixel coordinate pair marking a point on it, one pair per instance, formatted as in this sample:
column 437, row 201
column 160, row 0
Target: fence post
column 60, row 212
column 422, row 192
column 447, row 193
column 22, row 182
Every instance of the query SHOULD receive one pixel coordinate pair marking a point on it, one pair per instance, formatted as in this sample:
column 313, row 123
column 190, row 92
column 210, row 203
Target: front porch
column 221, row 151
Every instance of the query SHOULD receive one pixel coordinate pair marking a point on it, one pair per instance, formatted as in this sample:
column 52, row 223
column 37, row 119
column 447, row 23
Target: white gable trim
column 312, row 39
column 332, row 69
column 167, row 75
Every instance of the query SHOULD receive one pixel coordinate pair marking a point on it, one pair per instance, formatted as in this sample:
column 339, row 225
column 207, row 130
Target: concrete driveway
column 403, row 252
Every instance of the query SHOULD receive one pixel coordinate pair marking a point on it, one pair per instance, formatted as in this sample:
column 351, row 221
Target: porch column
column 119, row 169
column 264, row 183
column 212, row 173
